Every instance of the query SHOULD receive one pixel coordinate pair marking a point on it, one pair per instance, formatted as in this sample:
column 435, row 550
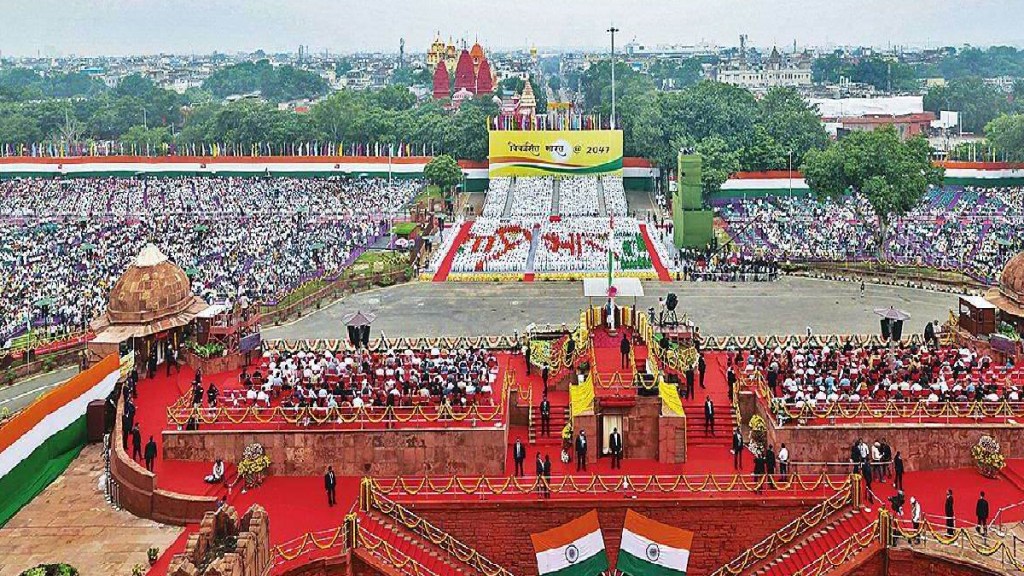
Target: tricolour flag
column 650, row 548
column 572, row 549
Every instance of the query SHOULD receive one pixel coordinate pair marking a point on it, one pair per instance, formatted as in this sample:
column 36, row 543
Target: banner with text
column 555, row 153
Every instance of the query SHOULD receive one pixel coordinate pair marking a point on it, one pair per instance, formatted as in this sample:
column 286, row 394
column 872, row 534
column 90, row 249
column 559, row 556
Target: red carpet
column 529, row 277
column 446, row 265
column 663, row 274
column 820, row 541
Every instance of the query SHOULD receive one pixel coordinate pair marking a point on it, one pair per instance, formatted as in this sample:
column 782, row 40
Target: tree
column 977, row 102
column 718, row 162
column 17, row 127
column 276, row 84
column 145, row 139
column 444, row 172
column 763, row 152
column 893, row 175
column 792, row 123
column 1005, row 134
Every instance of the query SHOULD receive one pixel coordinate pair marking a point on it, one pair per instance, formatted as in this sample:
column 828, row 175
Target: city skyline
column 123, row 27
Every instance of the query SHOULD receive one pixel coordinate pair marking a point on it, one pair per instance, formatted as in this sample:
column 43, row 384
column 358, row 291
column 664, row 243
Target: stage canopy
column 626, row 287
column 359, row 318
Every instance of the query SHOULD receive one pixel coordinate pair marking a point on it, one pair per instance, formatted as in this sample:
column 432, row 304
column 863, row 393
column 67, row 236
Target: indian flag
column 38, row 443
column 572, row 549
column 650, row 548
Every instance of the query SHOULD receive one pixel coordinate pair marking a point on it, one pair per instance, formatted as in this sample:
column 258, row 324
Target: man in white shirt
column 783, row 459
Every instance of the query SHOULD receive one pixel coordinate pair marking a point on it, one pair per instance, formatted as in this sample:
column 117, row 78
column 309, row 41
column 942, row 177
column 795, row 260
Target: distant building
column 472, row 72
column 775, row 71
column 907, row 125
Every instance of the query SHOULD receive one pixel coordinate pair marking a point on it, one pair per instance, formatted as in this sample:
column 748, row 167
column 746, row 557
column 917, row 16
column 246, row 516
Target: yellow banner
column 555, row 152
column 581, row 396
column 670, row 401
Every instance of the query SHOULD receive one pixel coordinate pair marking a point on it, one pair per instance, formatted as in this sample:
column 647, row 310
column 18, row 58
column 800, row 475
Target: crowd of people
column 64, row 243
column 969, row 229
column 360, row 379
column 820, row 377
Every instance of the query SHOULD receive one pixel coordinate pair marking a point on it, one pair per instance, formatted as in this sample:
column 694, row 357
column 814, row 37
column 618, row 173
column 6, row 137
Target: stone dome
column 1011, row 282
column 150, row 289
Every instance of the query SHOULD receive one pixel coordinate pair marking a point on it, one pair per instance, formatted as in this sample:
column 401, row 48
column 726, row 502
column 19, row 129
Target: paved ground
column 71, row 522
column 784, row 307
column 24, row 392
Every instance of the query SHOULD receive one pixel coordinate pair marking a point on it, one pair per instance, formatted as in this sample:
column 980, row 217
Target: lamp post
column 612, row 31
column 790, row 153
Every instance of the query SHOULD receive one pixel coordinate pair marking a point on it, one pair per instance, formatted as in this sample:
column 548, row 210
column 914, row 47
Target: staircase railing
column 984, row 545
column 371, row 499
column 844, row 551
column 402, row 562
column 321, row 544
column 787, row 534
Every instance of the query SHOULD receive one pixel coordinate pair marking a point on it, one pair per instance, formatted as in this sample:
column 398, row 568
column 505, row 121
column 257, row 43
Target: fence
column 788, row 533
column 633, row 485
column 332, row 291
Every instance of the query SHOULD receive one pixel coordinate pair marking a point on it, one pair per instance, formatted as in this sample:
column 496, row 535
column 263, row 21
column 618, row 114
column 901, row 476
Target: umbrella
column 892, row 313
column 88, row 246
column 191, row 272
column 201, row 228
column 317, row 245
column 359, row 318
column 44, row 302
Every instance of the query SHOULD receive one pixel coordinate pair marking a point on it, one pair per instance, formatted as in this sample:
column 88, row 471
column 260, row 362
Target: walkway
column 529, row 273
column 71, row 522
column 507, row 211
column 601, row 209
column 556, row 197
column 446, row 265
column 24, row 392
column 663, row 273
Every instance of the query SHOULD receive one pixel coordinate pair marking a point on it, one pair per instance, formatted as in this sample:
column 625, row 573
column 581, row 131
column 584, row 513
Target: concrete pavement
column 787, row 306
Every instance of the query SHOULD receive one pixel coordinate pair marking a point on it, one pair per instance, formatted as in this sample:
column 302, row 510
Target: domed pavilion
column 151, row 304
column 1009, row 296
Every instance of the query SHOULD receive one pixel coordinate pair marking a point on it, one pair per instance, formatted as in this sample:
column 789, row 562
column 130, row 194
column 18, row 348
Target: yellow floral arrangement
column 254, row 465
column 987, row 456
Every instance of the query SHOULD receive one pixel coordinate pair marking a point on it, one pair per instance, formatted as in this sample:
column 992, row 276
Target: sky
column 121, row 27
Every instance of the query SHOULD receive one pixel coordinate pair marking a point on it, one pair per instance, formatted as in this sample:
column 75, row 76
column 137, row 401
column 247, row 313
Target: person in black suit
column 897, row 466
column 730, row 378
column 929, row 334
column 709, row 416
column 950, row 520
column 545, row 416
column 615, row 445
column 544, row 373
column 136, row 443
column 690, row 378
column 981, row 511
column 581, row 451
column 528, row 354
column 330, row 483
column 547, row 476
column 541, row 486
column 737, row 449
column 703, row 367
column 570, row 350
column 519, row 455
column 769, row 465
column 624, row 350
column 150, row 453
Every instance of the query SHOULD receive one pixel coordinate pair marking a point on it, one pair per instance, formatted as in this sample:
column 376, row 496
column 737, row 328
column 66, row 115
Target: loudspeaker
column 897, row 330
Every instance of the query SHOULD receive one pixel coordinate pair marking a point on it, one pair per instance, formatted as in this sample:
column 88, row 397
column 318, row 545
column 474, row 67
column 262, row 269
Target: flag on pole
column 572, row 549
column 650, row 548
column 611, row 254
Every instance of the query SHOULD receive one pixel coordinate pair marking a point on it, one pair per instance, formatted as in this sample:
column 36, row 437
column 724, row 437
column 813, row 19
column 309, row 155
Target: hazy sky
column 115, row 27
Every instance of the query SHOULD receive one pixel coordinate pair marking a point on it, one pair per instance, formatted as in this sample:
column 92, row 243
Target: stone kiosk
column 148, row 311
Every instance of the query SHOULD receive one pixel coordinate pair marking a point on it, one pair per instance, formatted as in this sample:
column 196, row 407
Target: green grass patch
column 405, row 228
column 431, row 192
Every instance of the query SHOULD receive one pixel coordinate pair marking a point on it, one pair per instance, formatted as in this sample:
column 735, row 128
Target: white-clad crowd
column 257, row 238
column 578, row 196
column 497, row 197
column 532, row 196
column 494, row 246
column 614, row 195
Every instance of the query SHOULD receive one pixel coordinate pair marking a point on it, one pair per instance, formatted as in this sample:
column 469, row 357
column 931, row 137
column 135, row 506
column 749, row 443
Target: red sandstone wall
column 671, row 440
column 723, row 527
column 396, row 452
column 923, row 446
column 138, row 494
column 340, row 566
column 903, row 562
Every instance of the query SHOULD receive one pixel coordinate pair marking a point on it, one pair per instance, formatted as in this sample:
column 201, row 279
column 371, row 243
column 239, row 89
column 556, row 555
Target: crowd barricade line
column 843, row 552
column 964, row 539
column 403, row 516
column 810, row 519
column 598, row 484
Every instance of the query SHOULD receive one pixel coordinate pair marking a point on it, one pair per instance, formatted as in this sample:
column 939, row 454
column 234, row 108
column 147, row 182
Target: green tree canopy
column 275, row 83
column 444, row 172
column 1005, row 134
column 892, row 174
column 977, row 102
